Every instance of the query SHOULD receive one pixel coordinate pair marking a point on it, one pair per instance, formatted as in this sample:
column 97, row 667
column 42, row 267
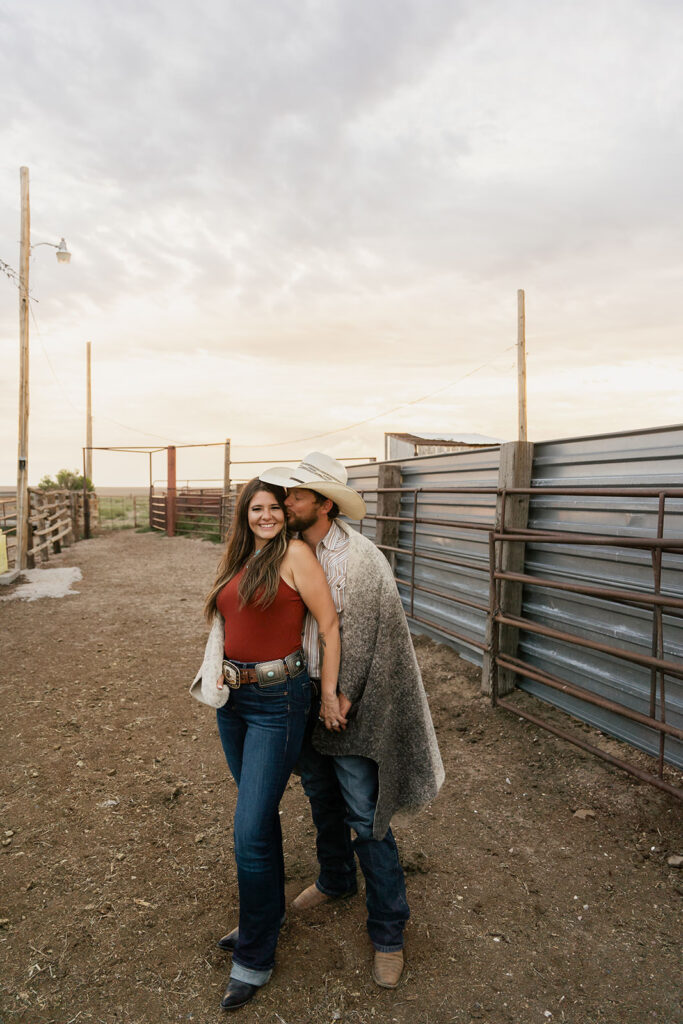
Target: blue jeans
column 343, row 795
column 261, row 730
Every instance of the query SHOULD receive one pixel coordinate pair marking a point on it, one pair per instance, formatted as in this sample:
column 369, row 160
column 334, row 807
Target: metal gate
column 644, row 460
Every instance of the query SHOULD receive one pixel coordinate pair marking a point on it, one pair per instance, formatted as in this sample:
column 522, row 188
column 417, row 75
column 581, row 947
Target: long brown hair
column 261, row 577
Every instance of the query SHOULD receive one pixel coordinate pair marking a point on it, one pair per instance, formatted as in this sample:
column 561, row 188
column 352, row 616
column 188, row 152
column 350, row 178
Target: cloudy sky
column 288, row 217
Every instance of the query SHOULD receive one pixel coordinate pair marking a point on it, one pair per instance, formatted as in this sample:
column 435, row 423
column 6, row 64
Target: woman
column 264, row 584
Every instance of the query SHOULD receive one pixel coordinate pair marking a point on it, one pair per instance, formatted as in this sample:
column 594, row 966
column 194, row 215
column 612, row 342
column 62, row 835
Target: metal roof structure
column 471, row 440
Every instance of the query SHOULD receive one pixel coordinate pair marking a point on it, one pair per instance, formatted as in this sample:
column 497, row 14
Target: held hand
column 331, row 713
column 219, row 683
column 344, row 704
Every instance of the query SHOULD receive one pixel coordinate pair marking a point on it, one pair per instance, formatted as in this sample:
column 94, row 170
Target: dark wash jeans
column 343, row 795
column 261, row 730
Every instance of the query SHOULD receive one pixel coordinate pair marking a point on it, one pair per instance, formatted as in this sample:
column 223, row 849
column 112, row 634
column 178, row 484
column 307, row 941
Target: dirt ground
column 116, row 864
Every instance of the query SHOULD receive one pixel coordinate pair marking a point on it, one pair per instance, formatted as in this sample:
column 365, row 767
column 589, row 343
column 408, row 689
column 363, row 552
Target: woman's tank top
column 261, row 634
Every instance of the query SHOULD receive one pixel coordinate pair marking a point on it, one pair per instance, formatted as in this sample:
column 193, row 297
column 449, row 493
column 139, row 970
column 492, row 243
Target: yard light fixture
column 63, row 255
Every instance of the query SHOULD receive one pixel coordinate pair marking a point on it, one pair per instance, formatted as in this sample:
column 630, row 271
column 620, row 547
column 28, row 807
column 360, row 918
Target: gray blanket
column 390, row 720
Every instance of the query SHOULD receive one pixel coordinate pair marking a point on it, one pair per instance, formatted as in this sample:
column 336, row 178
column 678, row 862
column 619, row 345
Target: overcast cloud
column 289, row 216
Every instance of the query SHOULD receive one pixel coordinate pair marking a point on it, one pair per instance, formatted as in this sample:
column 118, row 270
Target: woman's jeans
column 261, row 730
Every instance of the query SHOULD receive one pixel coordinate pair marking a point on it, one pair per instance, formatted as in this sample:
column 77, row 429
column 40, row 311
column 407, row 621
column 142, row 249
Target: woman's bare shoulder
column 299, row 551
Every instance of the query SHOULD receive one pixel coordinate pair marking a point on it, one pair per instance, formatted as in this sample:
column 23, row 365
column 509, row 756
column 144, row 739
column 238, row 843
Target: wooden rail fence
column 55, row 521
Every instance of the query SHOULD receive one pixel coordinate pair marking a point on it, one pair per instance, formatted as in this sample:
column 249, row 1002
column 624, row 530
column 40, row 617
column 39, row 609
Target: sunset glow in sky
column 290, row 216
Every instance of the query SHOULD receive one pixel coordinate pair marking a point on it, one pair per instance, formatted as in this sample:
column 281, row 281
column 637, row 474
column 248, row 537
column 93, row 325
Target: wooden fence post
column 171, row 493
column 73, row 510
column 29, row 558
column 516, row 463
column 151, row 492
column 56, row 539
column 388, row 505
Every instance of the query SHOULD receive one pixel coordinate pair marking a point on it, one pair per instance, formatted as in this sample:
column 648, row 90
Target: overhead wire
column 272, row 444
column 402, row 405
column 9, row 272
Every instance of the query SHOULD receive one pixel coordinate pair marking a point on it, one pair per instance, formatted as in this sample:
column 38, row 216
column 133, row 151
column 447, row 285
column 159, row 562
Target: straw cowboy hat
column 321, row 473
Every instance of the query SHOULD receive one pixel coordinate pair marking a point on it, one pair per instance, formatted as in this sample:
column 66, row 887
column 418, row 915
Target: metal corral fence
column 122, row 511
column 198, row 511
column 622, row 690
column 446, row 510
column 600, row 583
column 643, row 516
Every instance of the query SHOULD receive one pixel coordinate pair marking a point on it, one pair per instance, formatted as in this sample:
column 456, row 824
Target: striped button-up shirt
column 333, row 553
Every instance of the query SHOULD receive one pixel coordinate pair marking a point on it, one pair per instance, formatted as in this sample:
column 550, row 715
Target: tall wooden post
column 88, row 425
column 388, row 504
column 22, row 463
column 521, row 366
column 170, row 492
column 151, row 491
column 225, row 499
column 86, row 504
column 516, row 463
column 75, row 525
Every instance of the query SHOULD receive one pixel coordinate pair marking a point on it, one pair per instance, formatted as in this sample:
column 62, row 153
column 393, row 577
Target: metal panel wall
column 651, row 458
column 363, row 478
column 440, row 617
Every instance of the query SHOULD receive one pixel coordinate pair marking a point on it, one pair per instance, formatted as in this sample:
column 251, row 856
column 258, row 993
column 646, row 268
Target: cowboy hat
column 323, row 474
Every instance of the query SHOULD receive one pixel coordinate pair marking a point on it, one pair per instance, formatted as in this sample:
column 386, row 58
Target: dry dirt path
column 116, row 869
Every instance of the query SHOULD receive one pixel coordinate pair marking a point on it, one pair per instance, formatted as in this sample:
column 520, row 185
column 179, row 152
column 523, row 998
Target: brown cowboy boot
column 387, row 968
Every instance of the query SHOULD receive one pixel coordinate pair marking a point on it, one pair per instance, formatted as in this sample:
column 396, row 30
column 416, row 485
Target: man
column 371, row 750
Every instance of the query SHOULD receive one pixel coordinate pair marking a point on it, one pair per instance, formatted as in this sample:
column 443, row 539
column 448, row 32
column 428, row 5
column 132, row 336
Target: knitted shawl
column 389, row 719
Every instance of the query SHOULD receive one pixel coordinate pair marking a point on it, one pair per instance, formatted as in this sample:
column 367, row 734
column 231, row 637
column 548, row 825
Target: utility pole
column 63, row 256
column 521, row 366
column 22, row 464
column 88, row 428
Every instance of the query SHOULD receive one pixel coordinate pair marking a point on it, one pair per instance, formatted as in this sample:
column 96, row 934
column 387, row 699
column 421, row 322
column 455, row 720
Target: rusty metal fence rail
column 663, row 715
column 204, row 512
column 157, row 512
column 198, row 512
column 448, row 531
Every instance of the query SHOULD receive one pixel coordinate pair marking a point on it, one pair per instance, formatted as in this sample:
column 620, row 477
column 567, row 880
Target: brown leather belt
column 245, row 675
column 266, row 673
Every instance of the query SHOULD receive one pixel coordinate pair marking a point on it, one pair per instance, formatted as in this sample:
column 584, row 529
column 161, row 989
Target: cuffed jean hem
column 335, row 895
column 248, row 974
column 387, row 949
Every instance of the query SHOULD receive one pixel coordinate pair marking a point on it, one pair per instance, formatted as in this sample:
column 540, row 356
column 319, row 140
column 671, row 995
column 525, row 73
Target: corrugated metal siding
column 454, row 469
column 651, row 458
column 644, row 459
column 364, row 479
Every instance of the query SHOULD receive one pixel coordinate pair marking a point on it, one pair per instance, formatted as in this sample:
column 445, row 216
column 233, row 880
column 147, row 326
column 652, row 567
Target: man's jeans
column 343, row 796
column 261, row 730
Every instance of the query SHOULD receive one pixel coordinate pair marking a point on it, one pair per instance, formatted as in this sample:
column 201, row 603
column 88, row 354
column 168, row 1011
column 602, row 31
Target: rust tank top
column 261, row 634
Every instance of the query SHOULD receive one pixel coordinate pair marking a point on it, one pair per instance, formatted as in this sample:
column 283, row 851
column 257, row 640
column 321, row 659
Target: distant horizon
column 239, row 474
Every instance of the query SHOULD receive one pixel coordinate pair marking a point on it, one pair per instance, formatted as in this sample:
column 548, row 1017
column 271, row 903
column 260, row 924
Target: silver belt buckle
column 295, row 663
column 269, row 673
column 231, row 674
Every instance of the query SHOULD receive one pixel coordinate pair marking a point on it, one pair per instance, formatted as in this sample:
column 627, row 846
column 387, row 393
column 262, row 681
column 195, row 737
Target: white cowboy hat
column 321, row 473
